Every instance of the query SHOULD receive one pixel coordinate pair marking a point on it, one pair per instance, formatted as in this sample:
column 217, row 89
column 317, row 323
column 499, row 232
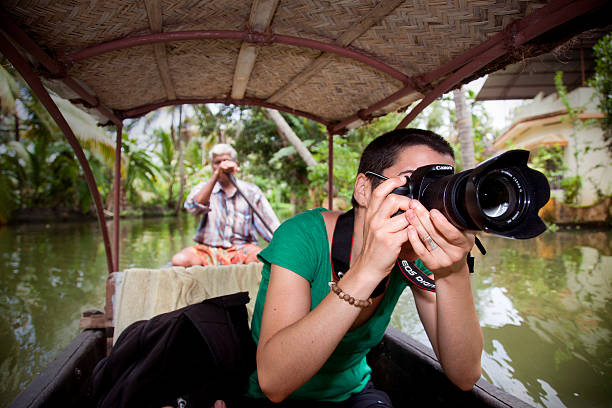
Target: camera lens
column 499, row 196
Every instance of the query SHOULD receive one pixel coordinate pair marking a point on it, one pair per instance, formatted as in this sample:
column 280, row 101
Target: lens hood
column 503, row 196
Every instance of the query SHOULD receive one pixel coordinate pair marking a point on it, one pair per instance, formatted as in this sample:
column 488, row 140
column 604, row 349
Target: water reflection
column 545, row 307
column 545, row 304
column 51, row 273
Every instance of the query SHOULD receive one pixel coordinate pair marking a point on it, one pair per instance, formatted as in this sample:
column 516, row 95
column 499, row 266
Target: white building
column 545, row 121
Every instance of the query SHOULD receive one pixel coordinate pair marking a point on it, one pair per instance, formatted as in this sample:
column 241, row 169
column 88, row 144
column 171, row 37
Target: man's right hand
column 228, row 166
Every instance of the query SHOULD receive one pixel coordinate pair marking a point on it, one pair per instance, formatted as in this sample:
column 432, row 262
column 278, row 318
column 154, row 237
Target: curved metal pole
column 330, row 170
column 117, row 199
column 21, row 65
column 252, row 37
column 143, row 110
column 453, row 80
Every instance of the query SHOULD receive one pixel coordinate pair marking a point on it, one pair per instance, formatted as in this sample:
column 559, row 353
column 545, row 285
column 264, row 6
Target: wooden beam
column 244, row 68
column 262, row 12
column 382, row 9
column 161, row 58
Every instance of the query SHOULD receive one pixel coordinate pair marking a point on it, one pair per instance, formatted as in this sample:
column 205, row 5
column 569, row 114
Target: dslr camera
column 501, row 196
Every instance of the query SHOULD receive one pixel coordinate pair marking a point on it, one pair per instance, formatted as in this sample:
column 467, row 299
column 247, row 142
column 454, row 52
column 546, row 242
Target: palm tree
column 464, row 129
column 27, row 162
column 285, row 131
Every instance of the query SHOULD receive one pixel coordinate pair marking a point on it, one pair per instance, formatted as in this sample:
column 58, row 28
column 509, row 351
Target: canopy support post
column 23, row 67
column 117, row 199
column 330, row 170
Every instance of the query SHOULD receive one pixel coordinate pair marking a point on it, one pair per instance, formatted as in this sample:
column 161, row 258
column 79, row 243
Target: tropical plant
column 572, row 184
column 264, row 154
column 166, row 163
column 218, row 123
column 602, row 83
column 37, row 166
column 9, row 91
column 141, row 174
column 551, row 162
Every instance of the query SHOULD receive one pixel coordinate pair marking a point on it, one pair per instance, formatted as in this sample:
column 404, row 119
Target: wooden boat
column 406, row 369
column 339, row 63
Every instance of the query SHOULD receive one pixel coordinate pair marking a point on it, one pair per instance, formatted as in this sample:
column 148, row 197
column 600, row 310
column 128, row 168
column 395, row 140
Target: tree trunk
column 464, row 129
column 179, row 201
column 286, row 132
column 17, row 136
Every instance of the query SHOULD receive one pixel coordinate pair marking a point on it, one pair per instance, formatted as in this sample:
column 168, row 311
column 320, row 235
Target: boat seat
column 144, row 293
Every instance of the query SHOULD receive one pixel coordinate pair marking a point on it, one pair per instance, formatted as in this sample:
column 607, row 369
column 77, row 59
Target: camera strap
column 414, row 275
column 342, row 243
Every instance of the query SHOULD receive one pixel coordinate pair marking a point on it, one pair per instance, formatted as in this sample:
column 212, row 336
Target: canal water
column 545, row 304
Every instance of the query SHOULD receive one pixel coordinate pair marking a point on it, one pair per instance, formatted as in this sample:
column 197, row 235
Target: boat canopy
column 340, row 63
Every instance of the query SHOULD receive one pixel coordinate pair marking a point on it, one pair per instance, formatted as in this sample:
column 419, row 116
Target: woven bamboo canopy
column 340, row 63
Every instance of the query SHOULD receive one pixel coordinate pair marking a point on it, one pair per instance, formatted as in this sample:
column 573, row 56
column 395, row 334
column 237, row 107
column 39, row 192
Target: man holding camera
column 234, row 212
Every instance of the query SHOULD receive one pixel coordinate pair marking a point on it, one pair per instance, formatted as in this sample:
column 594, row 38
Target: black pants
column 369, row 397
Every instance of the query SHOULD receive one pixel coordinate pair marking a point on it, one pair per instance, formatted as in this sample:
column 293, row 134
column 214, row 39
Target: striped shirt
column 231, row 221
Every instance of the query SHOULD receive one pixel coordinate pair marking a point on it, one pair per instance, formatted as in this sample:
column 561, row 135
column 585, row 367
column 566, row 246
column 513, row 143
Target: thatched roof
column 338, row 62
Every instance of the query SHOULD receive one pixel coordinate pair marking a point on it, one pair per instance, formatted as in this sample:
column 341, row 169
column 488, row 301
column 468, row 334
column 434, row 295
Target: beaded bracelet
column 348, row 298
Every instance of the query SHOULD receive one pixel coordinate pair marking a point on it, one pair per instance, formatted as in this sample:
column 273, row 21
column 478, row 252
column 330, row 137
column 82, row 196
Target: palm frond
column 20, row 152
column 8, row 90
column 92, row 137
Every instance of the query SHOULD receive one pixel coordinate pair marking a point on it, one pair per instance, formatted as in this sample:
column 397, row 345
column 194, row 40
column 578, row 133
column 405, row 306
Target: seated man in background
column 234, row 212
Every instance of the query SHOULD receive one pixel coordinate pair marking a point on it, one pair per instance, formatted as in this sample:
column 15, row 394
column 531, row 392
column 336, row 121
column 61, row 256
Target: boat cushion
column 144, row 293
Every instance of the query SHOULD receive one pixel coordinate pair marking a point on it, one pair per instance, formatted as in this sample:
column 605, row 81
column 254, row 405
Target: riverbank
column 595, row 216
column 63, row 214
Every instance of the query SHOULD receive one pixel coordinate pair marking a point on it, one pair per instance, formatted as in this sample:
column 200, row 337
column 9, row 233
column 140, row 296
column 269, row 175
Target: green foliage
column 9, row 89
column 571, row 187
column 38, row 167
column 346, row 160
column 166, row 155
column 550, row 161
column 141, row 171
column 572, row 184
column 8, row 199
column 284, row 176
column 602, row 83
column 483, row 132
column 266, row 158
column 220, row 126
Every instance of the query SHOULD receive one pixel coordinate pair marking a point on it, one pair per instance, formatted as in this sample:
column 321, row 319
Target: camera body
column 501, row 196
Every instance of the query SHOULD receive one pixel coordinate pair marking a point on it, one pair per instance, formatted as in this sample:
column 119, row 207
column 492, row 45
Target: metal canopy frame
column 508, row 42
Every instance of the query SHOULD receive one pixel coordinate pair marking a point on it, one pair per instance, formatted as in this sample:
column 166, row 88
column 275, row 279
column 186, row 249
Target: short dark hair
column 382, row 152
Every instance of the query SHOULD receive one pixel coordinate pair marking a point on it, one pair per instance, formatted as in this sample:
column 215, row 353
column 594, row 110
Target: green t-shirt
column 300, row 245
